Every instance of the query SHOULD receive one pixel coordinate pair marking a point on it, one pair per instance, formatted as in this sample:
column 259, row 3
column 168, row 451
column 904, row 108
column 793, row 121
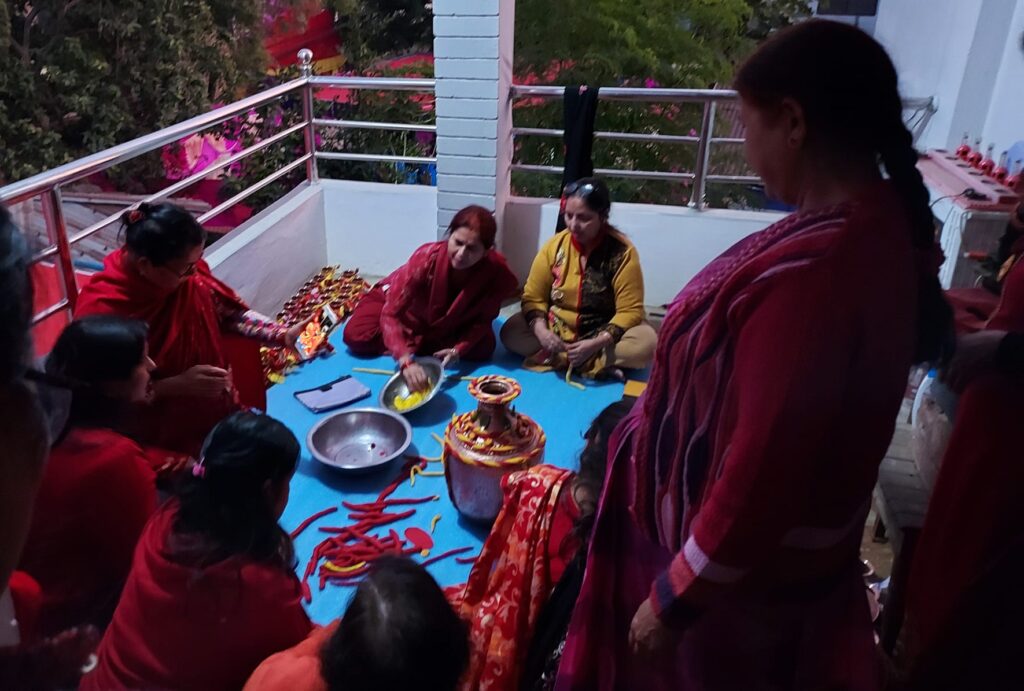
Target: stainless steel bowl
column 396, row 386
column 359, row 440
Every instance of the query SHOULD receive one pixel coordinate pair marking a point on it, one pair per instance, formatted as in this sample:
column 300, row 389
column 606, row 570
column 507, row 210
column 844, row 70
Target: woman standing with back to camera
column 725, row 551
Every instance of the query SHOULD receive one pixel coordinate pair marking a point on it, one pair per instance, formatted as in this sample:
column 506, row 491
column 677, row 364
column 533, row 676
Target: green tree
column 77, row 76
column 372, row 29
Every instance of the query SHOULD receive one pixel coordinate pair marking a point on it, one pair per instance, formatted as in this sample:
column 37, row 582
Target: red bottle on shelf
column 1014, row 181
column 964, row 150
column 974, row 159
column 1000, row 172
column 987, row 163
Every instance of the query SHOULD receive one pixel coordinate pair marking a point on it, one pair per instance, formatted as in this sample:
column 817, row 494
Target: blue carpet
column 562, row 411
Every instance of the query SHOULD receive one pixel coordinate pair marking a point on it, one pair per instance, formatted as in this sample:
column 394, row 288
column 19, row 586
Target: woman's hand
column 415, row 376
column 648, row 636
column 200, row 381
column 294, row 331
column 974, row 353
column 581, row 351
column 548, row 340
column 447, row 356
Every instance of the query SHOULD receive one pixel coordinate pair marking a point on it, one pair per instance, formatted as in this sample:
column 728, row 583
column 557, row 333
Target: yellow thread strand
column 412, row 475
column 372, row 370
column 424, row 552
column 330, row 566
column 433, row 523
column 570, row 382
column 432, row 473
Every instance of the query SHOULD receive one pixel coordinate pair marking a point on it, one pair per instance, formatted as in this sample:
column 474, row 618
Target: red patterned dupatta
column 511, row 579
column 674, row 452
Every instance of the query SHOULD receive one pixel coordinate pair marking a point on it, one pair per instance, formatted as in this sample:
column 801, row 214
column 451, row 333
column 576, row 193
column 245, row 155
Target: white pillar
column 473, row 69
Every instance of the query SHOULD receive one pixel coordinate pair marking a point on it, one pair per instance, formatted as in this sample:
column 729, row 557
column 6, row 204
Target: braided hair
column 848, row 88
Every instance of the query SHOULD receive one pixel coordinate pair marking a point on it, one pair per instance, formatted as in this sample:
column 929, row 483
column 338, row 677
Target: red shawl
column 182, row 627
column 430, row 306
column 751, row 458
column 690, row 406
column 513, row 576
column 184, row 330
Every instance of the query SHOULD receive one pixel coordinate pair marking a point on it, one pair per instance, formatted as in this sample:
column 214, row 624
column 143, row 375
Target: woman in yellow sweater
column 583, row 304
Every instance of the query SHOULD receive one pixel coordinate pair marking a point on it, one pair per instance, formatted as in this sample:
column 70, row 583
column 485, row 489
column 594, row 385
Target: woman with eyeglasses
column 202, row 336
column 583, row 303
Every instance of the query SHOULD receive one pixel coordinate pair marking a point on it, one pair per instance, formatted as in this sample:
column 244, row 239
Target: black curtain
column 579, row 111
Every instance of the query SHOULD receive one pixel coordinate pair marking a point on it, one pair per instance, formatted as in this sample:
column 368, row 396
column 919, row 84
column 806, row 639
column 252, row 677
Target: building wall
column 1005, row 122
column 374, row 227
column 929, row 41
column 966, row 54
column 270, row 256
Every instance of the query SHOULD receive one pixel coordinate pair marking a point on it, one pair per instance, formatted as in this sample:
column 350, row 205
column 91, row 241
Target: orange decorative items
column 482, row 446
column 329, row 291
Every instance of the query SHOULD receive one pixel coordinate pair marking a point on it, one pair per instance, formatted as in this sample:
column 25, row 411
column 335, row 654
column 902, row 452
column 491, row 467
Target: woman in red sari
column 202, row 336
column 725, row 551
column 98, row 488
column 442, row 302
column 212, row 590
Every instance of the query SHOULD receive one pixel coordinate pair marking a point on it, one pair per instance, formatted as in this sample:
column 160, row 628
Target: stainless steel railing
column 48, row 185
column 921, row 111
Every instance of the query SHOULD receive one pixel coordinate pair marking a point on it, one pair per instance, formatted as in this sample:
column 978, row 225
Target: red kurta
column 426, row 306
column 750, row 462
column 977, row 506
column 97, row 493
column 184, row 331
column 181, row 627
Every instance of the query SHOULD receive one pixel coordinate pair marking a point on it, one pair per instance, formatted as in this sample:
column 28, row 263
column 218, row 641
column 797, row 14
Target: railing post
column 56, row 228
column 700, row 172
column 306, row 67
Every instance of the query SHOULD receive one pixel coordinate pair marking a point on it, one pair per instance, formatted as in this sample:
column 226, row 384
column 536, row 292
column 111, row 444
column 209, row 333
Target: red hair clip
column 134, row 216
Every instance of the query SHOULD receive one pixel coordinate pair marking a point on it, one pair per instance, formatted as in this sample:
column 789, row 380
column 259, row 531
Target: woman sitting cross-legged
column 442, row 302
column 583, row 304
column 212, row 590
column 202, row 336
column 98, row 488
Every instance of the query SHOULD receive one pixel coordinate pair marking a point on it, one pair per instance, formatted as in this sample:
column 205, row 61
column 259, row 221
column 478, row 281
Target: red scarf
column 184, row 330
column 676, row 458
column 456, row 303
column 512, row 579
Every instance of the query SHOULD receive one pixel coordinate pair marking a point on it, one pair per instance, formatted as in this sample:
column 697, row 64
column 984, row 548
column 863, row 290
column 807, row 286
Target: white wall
column 674, row 243
column 929, row 41
column 968, row 55
column 374, row 227
column 1005, row 123
column 270, row 256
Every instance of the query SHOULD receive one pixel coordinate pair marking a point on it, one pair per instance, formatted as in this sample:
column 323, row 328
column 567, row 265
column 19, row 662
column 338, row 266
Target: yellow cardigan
column 608, row 295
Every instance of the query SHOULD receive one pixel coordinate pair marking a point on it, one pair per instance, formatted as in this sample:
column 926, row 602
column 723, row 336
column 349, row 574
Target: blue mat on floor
column 562, row 411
